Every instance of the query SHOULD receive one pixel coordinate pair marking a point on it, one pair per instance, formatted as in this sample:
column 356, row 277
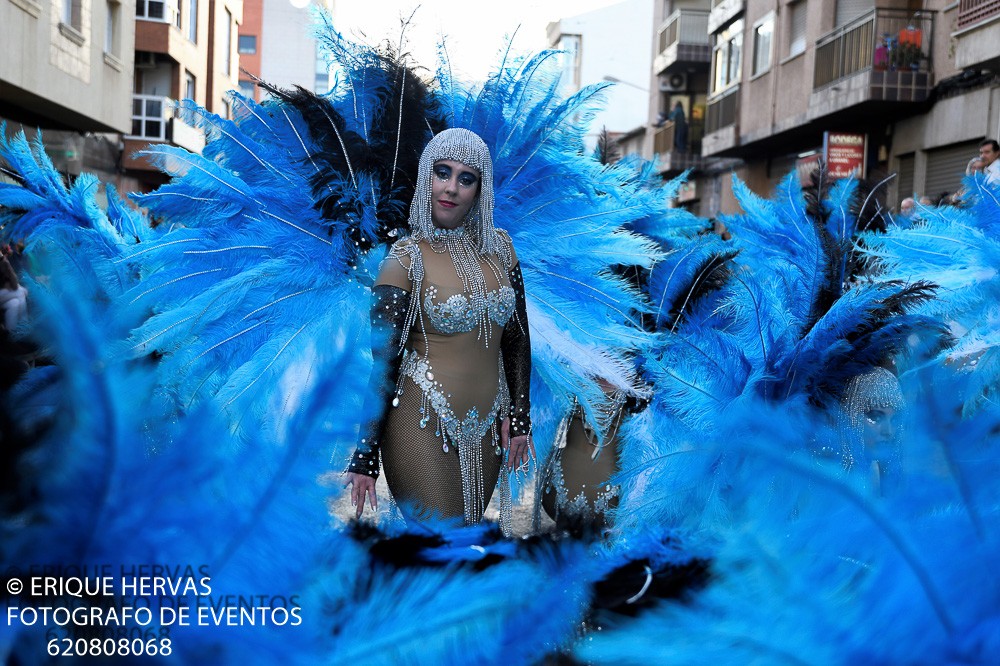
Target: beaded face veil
column 465, row 146
column 872, row 391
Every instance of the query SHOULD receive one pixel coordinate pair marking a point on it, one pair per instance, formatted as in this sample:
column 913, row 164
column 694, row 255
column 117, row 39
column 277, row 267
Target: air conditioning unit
column 145, row 59
column 676, row 82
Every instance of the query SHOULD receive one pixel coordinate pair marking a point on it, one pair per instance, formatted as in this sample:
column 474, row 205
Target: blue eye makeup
column 465, row 178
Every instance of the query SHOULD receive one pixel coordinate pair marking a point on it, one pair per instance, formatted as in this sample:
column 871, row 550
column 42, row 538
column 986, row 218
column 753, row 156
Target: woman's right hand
column 362, row 484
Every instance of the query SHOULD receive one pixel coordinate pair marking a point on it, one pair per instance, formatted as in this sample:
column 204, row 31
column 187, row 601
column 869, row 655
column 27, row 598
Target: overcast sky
column 475, row 31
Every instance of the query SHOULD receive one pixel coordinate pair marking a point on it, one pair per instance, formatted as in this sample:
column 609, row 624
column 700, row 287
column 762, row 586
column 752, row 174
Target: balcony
column 155, row 120
column 722, row 110
column 723, row 11
column 972, row 12
column 721, row 122
column 683, row 40
column 882, row 56
column 672, row 158
column 977, row 32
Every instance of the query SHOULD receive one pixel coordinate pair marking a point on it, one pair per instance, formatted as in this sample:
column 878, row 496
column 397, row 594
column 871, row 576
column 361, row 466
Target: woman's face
column 454, row 190
column 880, row 426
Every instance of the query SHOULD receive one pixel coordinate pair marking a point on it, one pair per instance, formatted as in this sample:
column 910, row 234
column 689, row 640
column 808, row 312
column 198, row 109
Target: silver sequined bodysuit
column 440, row 445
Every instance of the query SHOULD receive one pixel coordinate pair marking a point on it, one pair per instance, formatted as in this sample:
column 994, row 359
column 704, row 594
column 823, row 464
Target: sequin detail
column 457, row 314
column 466, row 433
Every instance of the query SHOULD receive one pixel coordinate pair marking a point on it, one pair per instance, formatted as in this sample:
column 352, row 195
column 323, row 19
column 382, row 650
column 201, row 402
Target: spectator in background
column 13, row 296
column 906, row 207
column 975, row 165
column 989, row 151
column 679, row 120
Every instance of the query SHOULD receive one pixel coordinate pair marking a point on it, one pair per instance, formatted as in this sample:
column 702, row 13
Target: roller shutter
column 851, row 9
column 904, row 183
column 946, row 168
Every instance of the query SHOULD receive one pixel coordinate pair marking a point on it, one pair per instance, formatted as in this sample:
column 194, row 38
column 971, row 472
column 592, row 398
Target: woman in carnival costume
column 450, row 326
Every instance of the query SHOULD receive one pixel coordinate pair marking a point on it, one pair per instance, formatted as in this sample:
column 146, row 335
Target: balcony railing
column 881, row 40
column 722, row 111
column 683, row 38
column 673, row 157
column 971, row 12
column 663, row 139
column 685, row 26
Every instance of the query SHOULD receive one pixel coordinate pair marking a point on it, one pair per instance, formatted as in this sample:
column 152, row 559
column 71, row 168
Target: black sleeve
column 388, row 315
column 516, row 349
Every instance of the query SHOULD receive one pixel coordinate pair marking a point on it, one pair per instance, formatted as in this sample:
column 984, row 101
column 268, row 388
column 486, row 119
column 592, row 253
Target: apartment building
column 681, row 64
column 276, row 44
column 67, row 69
column 100, row 78
column 904, row 87
column 610, row 44
column 184, row 49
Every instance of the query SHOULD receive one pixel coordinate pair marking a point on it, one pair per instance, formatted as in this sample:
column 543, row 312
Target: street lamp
column 615, row 79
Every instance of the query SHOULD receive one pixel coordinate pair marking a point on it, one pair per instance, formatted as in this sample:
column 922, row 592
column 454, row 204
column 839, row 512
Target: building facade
column 184, row 49
column 904, row 87
column 276, row 44
column 67, row 69
column 100, row 78
column 610, row 44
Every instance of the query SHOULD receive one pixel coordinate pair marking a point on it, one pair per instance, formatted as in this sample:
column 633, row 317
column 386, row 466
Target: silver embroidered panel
column 459, row 314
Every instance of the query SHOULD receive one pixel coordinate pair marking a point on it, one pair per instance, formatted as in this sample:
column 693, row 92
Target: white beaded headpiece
column 874, row 388
column 465, row 146
column 877, row 387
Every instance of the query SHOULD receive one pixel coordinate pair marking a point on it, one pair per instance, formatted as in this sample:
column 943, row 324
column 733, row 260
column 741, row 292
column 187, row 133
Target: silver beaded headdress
column 872, row 389
column 877, row 387
column 465, row 146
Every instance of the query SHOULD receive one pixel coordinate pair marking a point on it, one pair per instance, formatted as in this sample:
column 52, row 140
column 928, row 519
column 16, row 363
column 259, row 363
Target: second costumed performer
column 451, row 349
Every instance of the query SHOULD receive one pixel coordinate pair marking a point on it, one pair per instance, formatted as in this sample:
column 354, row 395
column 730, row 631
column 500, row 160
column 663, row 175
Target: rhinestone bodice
column 461, row 314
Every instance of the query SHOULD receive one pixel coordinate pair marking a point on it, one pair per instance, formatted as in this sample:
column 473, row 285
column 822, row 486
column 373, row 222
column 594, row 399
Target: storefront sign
column 844, row 154
column 805, row 165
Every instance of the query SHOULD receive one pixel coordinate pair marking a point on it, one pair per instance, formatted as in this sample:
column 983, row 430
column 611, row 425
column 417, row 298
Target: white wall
column 288, row 51
column 616, row 43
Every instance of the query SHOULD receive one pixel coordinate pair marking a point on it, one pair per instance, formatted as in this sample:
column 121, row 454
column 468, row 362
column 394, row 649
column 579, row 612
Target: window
column 763, row 35
column 570, row 46
column 177, row 16
column 321, row 83
column 147, row 117
column 150, row 9
column 227, row 44
column 190, row 86
column 796, row 28
column 71, row 13
column 112, row 39
column 226, row 113
column 727, row 56
column 247, row 44
column 193, row 21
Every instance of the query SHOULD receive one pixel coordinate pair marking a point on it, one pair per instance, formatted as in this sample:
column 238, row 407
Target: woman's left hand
column 520, row 450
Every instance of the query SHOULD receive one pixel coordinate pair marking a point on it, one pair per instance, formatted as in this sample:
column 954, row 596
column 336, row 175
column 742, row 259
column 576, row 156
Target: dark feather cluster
column 382, row 149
